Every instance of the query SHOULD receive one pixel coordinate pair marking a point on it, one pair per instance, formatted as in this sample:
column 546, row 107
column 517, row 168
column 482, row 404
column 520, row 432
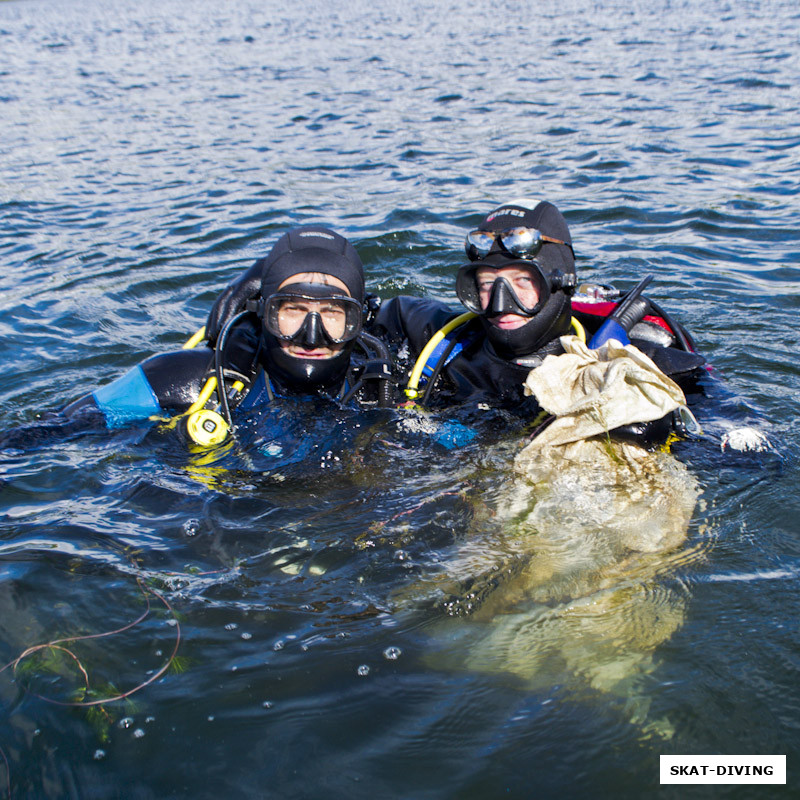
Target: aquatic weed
column 54, row 655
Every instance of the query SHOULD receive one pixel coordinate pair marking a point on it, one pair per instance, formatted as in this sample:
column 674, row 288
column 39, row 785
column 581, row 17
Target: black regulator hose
column 219, row 353
column 378, row 368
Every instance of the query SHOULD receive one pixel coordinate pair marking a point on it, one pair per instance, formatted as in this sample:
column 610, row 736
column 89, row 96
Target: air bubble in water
column 126, row 722
column 363, row 670
column 231, row 626
column 392, row 653
column 191, row 527
column 138, row 733
column 99, row 754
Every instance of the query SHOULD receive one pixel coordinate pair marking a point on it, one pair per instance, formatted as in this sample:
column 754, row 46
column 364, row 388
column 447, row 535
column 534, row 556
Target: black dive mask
column 312, row 333
column 503, row 298
column 311, row 316
column 548, row 318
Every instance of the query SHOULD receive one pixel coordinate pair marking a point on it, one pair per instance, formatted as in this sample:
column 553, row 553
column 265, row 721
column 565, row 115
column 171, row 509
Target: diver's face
column 523, row 283
column 292, row 314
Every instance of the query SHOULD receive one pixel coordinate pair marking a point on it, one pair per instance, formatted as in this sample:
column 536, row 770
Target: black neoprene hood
column 318, row 250
column 313, row 249
column 546, row 218
column 553, row 318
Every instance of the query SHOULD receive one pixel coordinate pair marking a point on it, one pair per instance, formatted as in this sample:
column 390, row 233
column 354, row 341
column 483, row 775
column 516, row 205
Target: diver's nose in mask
column 520, row 289
column 312, row 316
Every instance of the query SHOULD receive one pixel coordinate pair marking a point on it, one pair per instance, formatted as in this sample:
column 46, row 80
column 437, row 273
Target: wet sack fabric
column 566, row 572
column 591, row 392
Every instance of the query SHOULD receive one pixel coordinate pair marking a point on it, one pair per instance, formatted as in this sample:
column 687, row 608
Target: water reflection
column 554, row 565
column 569, row 573
column 149, row 152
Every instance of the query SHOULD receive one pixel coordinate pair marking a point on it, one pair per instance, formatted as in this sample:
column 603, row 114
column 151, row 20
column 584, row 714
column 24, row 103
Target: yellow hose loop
column 196, row 339
column 413, row 382
column 580, row 331
column 207, row 391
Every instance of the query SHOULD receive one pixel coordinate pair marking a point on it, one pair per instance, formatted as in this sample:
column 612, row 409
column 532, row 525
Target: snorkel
column 627, row 313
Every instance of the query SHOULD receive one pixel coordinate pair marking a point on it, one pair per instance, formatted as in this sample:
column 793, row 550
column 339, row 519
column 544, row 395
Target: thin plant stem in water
column 56, row 644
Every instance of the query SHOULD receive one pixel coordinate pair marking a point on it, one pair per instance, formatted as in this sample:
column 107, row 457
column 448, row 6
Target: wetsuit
column 169, row 383
column 476, row 374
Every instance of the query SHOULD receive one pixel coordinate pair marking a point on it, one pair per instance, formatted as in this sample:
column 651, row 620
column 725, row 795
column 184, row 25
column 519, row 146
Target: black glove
column 372, row 305
column 233, row 299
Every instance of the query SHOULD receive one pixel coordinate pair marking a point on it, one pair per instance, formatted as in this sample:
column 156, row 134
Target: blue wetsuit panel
column 258, row 394
column 438, row 352
column 434, row 357
column 453, row 435
column 127, row 399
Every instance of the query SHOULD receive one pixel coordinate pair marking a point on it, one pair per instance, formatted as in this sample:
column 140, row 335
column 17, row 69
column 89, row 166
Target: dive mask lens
column 286, row 312
column 478, row 244
column 519, row 289
column 521, row 242
column 526, row 242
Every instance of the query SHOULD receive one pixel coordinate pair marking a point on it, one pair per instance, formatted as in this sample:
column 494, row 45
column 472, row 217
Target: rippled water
column 381, row 620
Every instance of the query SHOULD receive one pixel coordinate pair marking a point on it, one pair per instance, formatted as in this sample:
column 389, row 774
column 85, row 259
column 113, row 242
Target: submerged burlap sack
column 565, row 579
column 640, row 499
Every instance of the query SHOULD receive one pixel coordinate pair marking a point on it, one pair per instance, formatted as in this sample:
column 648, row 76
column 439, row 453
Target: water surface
column 372, row 620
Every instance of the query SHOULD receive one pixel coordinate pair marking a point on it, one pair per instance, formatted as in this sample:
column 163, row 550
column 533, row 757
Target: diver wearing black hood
column 511, row 239
column 297, row 338
column 318, row 265
column 519, row 284
column 515, row 246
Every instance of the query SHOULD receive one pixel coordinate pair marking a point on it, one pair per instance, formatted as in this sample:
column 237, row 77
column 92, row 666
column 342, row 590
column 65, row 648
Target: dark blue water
column 368, row 620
